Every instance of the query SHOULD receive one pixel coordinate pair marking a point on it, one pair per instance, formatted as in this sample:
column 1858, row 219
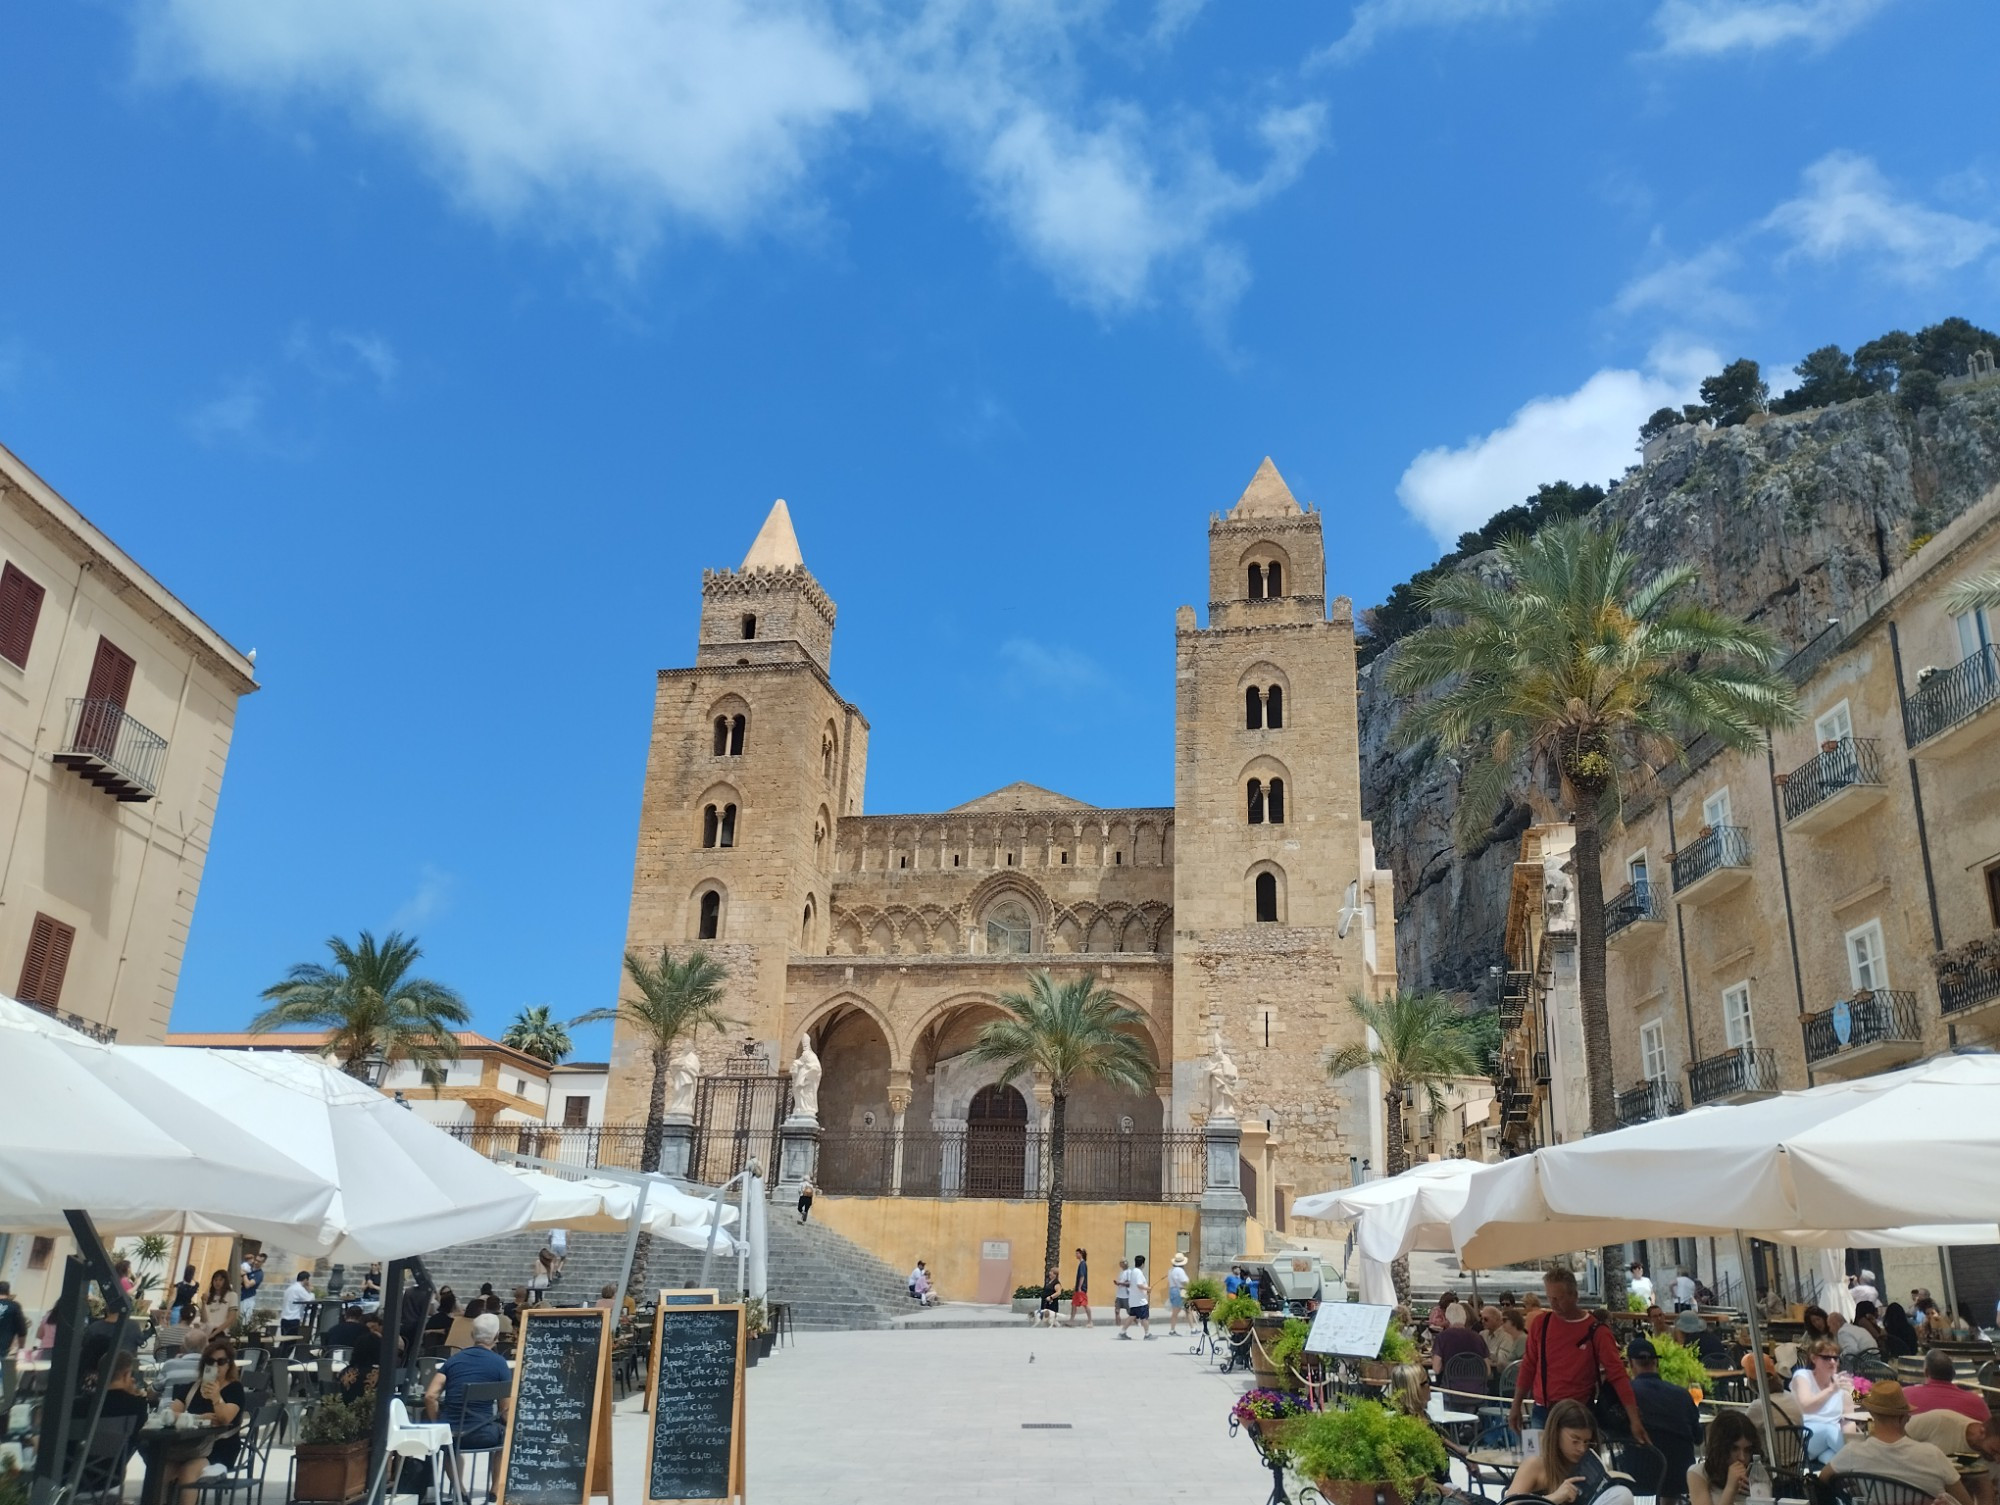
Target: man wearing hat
column 1701, row 1337
column 1887, row 1453
column 1669, row 1413
column 1177, row 1279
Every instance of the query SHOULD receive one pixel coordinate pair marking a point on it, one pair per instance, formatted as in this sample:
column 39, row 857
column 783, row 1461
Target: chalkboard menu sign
column 692, row 1296
column 557, row 1450
column 696, row 1449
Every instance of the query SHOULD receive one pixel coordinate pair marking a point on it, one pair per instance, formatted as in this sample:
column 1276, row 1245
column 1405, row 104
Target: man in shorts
column 1122, row 1301
column 1136, row 1308
column 1177, row 1279
column 1080, row 1299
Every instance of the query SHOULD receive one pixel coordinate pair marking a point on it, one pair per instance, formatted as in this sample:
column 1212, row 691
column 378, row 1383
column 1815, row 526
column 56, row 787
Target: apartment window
column 49, row 943
column 1867, row 960
column 1635, row 871
column 1975, row 631
column 1653, row 1050
column 1837, row 725
column 1736, row 1032
column 576, row 1111
column 40, row 1251
column 20, row 609
column 1715, row 809
column 1993, row 893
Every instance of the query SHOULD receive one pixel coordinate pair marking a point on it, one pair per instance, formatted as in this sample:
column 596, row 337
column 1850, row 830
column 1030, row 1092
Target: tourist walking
column 1045, row 1313
column 1079, row 1300
column 1570, row 1354
column 1137, row 1296
column 252, row 1280
column 185, row 1293
column 298, row 1301
column 1684, row 1291
column 1121, row 1301
column 806, row 1193
column 1177, row 1279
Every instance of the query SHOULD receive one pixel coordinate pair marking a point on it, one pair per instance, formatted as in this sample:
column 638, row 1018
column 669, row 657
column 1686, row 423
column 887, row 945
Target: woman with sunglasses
column 1822, row 1392
column 217, row 1396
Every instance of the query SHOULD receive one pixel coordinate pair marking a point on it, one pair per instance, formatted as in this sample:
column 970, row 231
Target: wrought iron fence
column 1724, row 846
column 1748, row 1068
column 1966, row 981
column 1649, row 1100
column 1631, row 904
column 1953, row 695
column 618, row 1146
column 100, row 736
column 1012, row 1161
column 1850, row 761
column 1513, row 1008
column 1868, row 1018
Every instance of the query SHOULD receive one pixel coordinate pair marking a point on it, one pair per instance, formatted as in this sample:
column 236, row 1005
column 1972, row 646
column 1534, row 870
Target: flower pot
column 1827, row 747
column 331, row 1473
column 1203, row 1304
column 762, row 1344
column 1240, row 1325
column 1356, row 1492
column 1374, row 1372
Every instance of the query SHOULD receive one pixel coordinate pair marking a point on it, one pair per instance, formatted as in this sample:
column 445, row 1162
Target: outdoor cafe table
column 166, row 1451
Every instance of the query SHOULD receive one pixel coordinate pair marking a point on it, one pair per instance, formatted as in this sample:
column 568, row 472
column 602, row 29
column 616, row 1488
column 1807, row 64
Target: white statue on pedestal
column 682, row 1075
column 1221, row 1080
column 805, row 1082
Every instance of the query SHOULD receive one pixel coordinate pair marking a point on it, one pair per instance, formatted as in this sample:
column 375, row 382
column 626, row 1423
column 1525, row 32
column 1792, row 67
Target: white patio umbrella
column 1394, row 1217
column 667, row 1206
column 405, row 1186
column 83, row 1125
column 588, row 1205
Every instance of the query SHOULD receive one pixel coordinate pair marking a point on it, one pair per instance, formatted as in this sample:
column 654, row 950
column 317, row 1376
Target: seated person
column 1957, row 1436
column 124, row 1399
column 439, row 1322
column 1859, row 1336
column 1722, row 1477
column 1410, row 1392
column 1940, row 1392
column 347, row 1331
column 364, row 1358
column 1822, row 1392
column 1702, row 1338
column 1567, row 1470
column 217, row 1395
column 1458, row 1337
column 1672, row 1422
column 478, row 1424
column 1889, row 1453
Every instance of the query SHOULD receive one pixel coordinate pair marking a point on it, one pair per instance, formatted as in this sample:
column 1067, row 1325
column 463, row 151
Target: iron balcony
column 107, row 747
column 1631, row 912
column 1946, row 710
column 1831, row 789
column 1739, row 1073
column 1712, row 865
column 1864, row 1033
column 1647, row 1101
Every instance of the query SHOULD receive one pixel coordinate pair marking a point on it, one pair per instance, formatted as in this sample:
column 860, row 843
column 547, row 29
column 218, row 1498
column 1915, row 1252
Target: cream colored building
column 1543, row 1088
column 1252, row 905
column 117, row 706
column 1829, row 907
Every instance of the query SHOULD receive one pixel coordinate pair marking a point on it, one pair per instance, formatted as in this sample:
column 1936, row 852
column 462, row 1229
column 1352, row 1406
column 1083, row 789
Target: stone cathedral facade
column 1253, row 905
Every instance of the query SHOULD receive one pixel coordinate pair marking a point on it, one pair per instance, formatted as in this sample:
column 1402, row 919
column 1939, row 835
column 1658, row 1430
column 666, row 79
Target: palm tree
column 676, row 998
column 535, row 1033
column 1975, row 593
column 369, row 1005
column 1572, row 669
column 1422, row 1040
column 1068, row 1035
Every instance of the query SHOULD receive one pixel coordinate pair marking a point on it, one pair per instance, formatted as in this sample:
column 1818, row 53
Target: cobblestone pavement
column 919, row 1418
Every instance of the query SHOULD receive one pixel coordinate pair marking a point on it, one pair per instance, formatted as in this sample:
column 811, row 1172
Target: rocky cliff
column 1789, row 520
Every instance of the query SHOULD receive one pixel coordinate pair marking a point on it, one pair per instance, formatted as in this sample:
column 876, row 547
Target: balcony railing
column 1542, row 1076
column 107, row 747
column 1513, row 1006
column 1649, row 1100
column 1723, row 847
column 1631, row 904
column 1850, row 761
column 1868, row 1018
column 1953, row 695
column 1736, row 1072
column 1966, row 980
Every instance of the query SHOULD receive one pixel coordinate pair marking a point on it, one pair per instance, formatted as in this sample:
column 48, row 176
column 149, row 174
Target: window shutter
column 42, row 971
column 110, row 674
column 20, row 609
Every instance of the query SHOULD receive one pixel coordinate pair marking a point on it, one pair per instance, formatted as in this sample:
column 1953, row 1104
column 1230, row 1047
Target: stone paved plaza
column 914, row 1418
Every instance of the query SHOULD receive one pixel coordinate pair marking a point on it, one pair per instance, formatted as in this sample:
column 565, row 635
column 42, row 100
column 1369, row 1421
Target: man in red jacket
column 1569, row 1353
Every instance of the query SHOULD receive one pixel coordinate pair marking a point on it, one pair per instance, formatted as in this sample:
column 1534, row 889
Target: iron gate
column 736, row 1116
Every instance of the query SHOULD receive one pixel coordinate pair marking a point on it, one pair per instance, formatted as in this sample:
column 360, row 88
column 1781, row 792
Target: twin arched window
column 718, row 827
column 1267, row 802
column 1263, row 706
column 710, row 924
column 1267, row 581
column 728, row 736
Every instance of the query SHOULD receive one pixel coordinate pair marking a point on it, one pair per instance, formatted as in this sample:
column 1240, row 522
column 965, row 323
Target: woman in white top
column 1721, row 1476
column 1822, row 1392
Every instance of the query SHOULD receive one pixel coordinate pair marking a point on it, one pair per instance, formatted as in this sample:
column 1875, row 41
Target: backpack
column 1605, row 1407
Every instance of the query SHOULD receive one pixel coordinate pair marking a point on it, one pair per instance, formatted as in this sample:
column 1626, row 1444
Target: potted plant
column 332, row 1451
column 1269, row 1416
column 1288, row 1349
column 13, row 1483
column 757, row 1328
column 1236, row 1313
column 1365, row 1453
column 1396, row 1349
column 1679, row 1364
column 1202, row 1293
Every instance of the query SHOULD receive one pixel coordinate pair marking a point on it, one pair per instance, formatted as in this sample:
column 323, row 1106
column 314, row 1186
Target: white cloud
column 620, row 119
column 1374, row 19
column 342, row 355
column 1848, row 207
column 1030, row 668
column 1581, row 436
column 1692, row 289
column 236, row 414
column 431, row 900
column 1704, row 28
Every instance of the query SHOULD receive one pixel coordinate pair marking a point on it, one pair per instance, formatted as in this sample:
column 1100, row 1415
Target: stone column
column 1223, row 1212
column 798, row 1152
column 899, row 1104
column 951, row 1155
column 677, row 1145
column 1039, row 1147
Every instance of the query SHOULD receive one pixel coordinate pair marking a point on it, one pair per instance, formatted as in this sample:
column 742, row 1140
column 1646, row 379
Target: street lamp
column 374, row 1067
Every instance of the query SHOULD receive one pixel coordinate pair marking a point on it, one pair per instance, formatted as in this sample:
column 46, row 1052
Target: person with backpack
column 1572, row 1356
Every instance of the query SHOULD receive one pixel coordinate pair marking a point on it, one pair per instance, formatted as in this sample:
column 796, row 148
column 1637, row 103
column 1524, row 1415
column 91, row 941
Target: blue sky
column 433, row 348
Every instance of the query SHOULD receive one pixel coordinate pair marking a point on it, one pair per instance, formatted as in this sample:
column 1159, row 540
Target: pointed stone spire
column 1267, row 495
column 776, row 546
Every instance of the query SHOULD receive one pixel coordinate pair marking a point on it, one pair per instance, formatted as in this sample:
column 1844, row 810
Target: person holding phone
column 216, row 1395
column 1567, row 1470
column 1722, row 1474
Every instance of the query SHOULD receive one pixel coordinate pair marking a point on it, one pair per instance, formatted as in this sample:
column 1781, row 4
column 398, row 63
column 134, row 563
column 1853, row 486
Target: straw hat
column 1885, row 1398
column 1180, row 1259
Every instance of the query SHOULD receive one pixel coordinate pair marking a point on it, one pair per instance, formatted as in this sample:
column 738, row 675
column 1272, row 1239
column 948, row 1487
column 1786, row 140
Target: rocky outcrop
column 1789, row 522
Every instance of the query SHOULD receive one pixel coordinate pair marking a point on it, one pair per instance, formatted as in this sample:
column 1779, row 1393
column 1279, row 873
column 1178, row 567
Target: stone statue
column 1221, row 1079
column 684, row 1073
column 805, row 1082
column 1559, row 892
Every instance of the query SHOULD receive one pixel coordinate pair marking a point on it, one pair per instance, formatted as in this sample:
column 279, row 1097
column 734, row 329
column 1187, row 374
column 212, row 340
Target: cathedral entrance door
column 996, row 1143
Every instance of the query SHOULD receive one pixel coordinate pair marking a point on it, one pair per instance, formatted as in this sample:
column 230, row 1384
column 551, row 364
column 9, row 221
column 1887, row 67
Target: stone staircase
column 828, row 1281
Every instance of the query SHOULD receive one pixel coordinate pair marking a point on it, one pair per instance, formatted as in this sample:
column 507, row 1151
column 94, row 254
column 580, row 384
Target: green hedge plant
column 1367, row 1443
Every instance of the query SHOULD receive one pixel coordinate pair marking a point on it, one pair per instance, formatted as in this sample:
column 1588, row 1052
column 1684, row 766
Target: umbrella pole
column 394, row 1363
column 90, row 1263
column 632, row 1240
column 1757, row 1349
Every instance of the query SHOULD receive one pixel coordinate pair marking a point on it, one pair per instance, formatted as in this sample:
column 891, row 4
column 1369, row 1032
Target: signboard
column 695, row 1448
column 1350, row 1328
column 693, row 1296
column 558, row 1448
